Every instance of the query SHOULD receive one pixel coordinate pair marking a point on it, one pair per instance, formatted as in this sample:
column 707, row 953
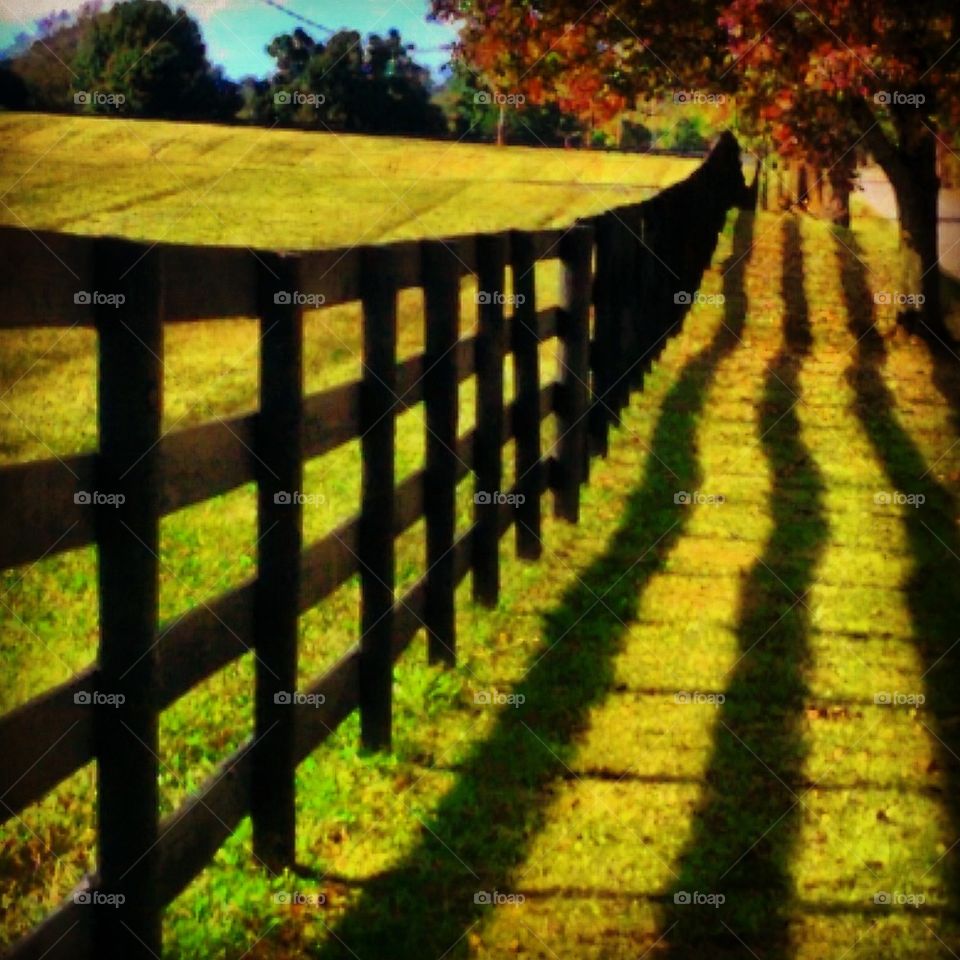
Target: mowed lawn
column 248, row 186
column 207, row 184
column 618, row 784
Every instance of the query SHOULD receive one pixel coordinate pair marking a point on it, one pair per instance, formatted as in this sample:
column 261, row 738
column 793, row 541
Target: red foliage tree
column 823, row 77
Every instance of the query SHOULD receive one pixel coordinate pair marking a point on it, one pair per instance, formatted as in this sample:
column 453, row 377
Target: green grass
column 290, row 190
column 799, row 598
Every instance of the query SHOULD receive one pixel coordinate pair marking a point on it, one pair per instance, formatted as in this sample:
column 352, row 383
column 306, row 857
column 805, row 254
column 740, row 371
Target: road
column 879, row 196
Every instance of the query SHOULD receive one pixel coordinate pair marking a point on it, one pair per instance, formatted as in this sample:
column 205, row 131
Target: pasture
column 200, row 183
column 607, row 793
column 272, row 189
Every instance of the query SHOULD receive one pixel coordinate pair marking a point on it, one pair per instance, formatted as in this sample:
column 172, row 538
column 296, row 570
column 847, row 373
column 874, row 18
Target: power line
column 298, row 16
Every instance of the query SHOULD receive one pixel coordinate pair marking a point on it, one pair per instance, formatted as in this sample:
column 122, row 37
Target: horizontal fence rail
column 621, row 273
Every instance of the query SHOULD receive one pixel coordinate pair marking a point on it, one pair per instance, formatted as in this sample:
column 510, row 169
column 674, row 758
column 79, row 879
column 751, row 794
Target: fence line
column 628, row 265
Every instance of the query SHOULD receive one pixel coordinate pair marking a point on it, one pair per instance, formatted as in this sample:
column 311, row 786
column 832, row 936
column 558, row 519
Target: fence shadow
column 482, row 828
column 931, row 532
column 745, row 831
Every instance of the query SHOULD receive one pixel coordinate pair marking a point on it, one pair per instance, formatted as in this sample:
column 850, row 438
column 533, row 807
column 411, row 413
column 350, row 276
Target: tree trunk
column 837, row 202
column 502, row 126
column 917, row 188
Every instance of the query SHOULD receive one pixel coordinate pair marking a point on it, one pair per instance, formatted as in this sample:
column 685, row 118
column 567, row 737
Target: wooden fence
column 628, row 265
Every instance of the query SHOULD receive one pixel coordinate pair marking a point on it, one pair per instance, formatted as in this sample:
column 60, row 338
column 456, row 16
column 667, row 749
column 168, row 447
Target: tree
column 473, row 113
column 154, row 59
column 348, row 84
column 13, row 91
column 519, row 49
column 42, row 59
column 816, row 77
column 138, row 58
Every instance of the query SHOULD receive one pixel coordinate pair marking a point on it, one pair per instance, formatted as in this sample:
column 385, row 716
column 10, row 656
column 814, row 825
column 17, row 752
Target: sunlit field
column 703, row 683
column 271, row 189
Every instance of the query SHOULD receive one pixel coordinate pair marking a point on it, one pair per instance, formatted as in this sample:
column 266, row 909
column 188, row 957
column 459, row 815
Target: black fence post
column 576, row 250
column 279, row 543
column 488, row 453
column 129, row 321
column 376, row 537
column 526, row 407
column 441, row 290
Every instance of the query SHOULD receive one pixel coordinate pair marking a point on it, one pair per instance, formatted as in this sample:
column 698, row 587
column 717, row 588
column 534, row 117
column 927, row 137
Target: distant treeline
column 141, row 58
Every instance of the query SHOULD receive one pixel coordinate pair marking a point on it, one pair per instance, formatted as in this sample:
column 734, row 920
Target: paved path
column 879, row 195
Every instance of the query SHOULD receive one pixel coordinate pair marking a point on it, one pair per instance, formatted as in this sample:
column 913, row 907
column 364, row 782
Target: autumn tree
column 520, row 50
column 822, row 78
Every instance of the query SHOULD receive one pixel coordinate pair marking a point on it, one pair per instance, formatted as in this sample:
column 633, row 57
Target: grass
column 290, row 190
column 798, row 598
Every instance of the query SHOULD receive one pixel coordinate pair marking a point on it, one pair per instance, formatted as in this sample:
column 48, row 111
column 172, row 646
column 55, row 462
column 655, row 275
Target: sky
column 236, row 31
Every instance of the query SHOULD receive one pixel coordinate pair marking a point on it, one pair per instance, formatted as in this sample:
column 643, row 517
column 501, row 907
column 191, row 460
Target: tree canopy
column 816, row 78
